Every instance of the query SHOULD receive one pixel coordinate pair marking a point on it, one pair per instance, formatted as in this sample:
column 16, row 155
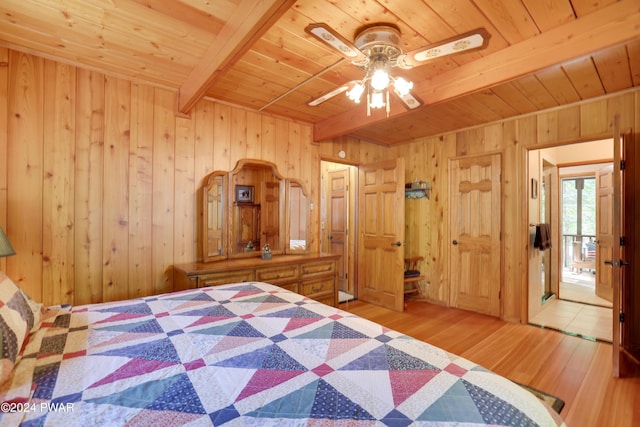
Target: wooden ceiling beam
column 250, row 20
column 610, row 26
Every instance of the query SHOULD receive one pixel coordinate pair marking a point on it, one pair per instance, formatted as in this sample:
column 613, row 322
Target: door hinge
column 622, row 241
column 623, row 164
column 622, row 317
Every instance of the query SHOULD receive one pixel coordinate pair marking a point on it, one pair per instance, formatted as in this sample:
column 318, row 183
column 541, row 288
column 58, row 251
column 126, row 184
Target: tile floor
column 591, row 320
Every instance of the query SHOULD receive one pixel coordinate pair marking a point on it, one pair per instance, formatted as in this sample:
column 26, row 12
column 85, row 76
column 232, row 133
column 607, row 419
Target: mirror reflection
column 214, row 214
column 256, row 208
column 298, row 218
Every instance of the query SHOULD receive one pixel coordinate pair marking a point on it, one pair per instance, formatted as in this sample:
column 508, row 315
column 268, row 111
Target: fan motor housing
column 379, row 41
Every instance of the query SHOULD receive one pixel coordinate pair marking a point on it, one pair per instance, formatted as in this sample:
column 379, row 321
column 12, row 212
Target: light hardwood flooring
column 574, row 369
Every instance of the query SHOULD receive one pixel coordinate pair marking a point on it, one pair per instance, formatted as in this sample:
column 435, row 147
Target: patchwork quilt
column 248, row 354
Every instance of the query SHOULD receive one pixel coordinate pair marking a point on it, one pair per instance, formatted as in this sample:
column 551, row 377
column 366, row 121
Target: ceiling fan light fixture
column 377, row 100
column 356, row 92
column 377, row 48
column 380, row 79
column 402, row 86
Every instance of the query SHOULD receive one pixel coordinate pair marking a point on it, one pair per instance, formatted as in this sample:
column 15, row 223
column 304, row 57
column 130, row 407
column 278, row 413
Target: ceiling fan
column 376, row 50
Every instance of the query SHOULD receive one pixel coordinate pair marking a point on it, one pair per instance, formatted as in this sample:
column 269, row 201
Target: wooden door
column 247, row 223
column 475, row 210
column 626, row 302
column 604, row 231
column 338, row 220
column 381, row 233
column 551, row 257
column 270, row 215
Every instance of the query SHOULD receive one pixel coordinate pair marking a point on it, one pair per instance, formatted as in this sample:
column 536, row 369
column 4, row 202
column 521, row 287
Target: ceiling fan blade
column 473, row 40
column 322, row 98
column 409, row 100
column 331, row 38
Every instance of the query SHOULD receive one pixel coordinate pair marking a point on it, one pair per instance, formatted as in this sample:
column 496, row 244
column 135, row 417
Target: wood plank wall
column 427, row 159
column 98, row 177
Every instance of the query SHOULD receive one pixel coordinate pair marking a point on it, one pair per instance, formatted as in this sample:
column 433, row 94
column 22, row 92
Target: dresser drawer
column 293, row 287
column 278, row 275
column 319, row 268
column 318, row 286
column 222, row 278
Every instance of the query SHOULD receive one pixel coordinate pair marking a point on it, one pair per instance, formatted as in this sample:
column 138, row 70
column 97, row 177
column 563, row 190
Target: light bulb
column 380, row 79
column 355, row 93
column 402, row 86
column 377, row 100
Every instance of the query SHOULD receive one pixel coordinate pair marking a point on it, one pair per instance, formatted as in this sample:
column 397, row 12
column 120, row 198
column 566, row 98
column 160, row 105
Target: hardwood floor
column 574, row 369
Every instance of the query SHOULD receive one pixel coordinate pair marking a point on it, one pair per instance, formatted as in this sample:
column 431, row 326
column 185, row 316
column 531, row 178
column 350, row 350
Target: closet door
column 475, row 209
column 381, row 233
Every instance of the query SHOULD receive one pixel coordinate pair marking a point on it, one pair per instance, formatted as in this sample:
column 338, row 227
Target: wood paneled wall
column 98, row 177
column 427, row 159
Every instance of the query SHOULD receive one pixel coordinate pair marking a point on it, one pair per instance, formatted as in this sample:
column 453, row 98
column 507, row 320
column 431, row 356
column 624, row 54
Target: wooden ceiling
column 256, row 54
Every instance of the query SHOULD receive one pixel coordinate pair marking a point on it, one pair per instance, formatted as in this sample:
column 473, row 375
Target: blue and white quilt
column 248, row 354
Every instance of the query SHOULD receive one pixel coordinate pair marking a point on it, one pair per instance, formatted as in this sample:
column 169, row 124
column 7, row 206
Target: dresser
column 311, row 275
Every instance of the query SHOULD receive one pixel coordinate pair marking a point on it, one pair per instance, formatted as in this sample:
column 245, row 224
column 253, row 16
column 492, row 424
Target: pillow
column 36, row 310
column 16, row 320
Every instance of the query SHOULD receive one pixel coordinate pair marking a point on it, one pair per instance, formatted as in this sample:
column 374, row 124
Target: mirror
column 256, row 208
column 297, row 218
column 250, row 207
column 213, row 214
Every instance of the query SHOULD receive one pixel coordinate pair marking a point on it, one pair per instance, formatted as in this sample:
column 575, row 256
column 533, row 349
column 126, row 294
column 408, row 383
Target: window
column 579, row 206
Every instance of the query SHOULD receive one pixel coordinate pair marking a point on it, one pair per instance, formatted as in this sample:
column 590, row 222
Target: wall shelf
column 419, row 193
column 417, row 190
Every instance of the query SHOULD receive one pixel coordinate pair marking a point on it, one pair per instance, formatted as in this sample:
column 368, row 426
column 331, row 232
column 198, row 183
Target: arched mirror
column 298, row 217
column 213, row 214
column 256, row 190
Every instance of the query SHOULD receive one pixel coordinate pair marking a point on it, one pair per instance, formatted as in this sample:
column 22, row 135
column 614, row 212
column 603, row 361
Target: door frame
column 524, row 226
column 352, row 249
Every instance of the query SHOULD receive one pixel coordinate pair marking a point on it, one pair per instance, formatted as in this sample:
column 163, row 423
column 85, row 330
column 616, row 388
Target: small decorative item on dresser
column 266, row 252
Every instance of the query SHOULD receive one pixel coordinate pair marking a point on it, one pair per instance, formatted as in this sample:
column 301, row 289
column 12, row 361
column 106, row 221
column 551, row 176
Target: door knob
column 330, row 237
column 616, row 262
column 455, row 242
column 397, row 244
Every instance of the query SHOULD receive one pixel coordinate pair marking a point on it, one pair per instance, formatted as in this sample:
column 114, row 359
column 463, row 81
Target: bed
column 245, row 354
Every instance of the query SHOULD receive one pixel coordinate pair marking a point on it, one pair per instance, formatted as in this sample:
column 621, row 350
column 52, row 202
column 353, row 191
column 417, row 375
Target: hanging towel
column 543, row 238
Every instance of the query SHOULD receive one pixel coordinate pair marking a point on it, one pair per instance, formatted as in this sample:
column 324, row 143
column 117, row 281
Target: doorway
column 562, row 278
column 337, row 222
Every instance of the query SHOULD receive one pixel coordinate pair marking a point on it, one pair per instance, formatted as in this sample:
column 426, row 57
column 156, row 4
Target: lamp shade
column 5, row 247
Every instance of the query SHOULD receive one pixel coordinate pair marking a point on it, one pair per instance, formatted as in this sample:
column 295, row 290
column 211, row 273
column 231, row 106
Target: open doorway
column 563, row 276
column 580, row 194
column 337, row 222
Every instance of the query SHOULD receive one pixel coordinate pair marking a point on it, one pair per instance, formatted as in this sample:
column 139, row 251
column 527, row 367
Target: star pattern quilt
column 249, row 354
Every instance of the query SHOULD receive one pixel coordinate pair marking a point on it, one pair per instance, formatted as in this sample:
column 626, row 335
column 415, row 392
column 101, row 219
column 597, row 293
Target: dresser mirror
column 250, row 207
column 297, row 218
column 214, row 234
column 256, row 208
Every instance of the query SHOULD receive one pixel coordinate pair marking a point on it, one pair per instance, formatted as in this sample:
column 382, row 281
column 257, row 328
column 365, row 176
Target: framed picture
column 244, row 193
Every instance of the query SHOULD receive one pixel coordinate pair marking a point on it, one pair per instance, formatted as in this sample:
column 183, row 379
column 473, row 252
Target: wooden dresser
column 313, row 275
